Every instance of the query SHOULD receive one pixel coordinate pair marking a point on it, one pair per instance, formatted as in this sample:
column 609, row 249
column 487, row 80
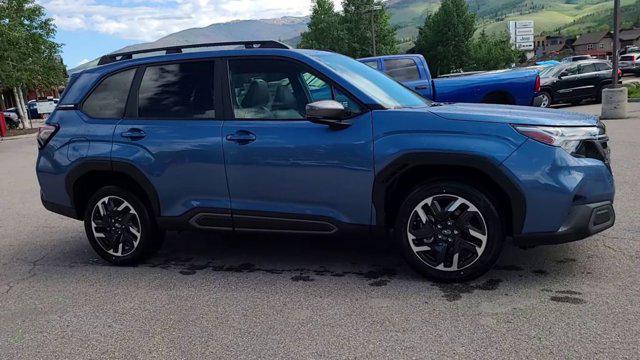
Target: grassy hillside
column 570, row 16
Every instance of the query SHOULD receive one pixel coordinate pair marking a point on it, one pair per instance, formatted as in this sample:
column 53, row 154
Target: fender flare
column 117, row 167
column 391, row 172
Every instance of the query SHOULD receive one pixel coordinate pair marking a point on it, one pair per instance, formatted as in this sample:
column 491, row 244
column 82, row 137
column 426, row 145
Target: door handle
column 133, row 134
column 422, row 87
column 242, row 137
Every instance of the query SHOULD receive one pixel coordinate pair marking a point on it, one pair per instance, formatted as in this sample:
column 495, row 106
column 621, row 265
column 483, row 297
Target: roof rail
column 128, row 55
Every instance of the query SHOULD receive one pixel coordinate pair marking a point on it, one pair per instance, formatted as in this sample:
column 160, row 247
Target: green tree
column 362, row 19
column 492, row 52
column 30, row 57
column 325, row 30
column 445, row 38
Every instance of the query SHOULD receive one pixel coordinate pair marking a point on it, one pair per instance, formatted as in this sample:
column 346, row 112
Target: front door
column 284, row 172
column 172, row 136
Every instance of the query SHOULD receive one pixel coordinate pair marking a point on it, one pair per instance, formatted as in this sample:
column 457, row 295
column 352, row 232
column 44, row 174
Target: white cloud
column 148, row 20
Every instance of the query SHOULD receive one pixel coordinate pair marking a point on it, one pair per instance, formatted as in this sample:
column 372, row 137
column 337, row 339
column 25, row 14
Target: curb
column 18, row 137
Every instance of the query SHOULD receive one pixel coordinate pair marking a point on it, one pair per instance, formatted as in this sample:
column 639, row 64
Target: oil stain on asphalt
column 185, row 266
column 454, row 292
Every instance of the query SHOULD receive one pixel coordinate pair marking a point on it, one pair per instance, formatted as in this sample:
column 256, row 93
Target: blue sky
column 90, row 28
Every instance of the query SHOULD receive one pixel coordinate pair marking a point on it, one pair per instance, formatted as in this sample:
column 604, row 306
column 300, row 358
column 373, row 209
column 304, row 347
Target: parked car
column 575, row 82
column 511, row 87
column 303, row 142
column 12, row 118
column 32, row 107
column 575, row 58
column 629, row 64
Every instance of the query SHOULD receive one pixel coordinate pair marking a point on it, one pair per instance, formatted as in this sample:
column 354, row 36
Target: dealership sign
column 522, row 32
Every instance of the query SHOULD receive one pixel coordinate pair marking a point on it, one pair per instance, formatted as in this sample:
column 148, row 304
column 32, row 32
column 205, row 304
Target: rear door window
column 177, row 91
column 402, row 69
column 603, row 67
column 109, row 99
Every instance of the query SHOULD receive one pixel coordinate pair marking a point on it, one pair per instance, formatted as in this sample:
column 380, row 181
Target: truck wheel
column 119, row 226
column 449, row 231
column 546, row 99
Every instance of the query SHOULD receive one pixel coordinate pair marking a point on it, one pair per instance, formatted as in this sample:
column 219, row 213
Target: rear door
column 171, row 133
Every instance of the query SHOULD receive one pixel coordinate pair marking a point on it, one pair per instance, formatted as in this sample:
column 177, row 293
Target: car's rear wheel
column 119, row 226
column 449, row 231
column 545, row 99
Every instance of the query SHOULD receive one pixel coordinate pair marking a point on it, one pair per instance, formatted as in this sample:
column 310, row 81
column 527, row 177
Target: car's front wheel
column 449, row 231
column 119, row 226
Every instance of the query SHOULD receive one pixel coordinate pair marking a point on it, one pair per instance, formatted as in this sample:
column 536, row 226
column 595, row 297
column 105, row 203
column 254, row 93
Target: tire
column 430, row 246
column 547, row 100
column 128, row 234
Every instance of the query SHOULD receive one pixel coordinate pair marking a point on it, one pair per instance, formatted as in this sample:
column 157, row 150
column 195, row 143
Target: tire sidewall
column 148, row 229
column 548, row 95
column 484, row 203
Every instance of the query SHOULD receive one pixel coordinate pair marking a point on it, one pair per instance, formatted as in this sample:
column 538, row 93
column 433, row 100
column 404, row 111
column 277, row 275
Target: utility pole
column 616, row 41
column 614, row 99
column 372, row 12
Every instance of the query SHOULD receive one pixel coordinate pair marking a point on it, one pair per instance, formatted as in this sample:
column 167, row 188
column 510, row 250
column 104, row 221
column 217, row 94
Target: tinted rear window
column 627, row 58
column 402, row 69
column 603, row 67
column 109, row 99
column 177, row 91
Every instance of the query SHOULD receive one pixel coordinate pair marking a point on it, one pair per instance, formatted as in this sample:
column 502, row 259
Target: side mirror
column 327, row 112
column 563, row 74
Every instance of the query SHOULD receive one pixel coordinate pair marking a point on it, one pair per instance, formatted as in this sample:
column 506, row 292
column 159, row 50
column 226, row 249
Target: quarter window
column 109, row 99
column 177, row 91
column 402, row 69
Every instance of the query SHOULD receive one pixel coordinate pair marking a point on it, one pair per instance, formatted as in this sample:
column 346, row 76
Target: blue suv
column 264, row 138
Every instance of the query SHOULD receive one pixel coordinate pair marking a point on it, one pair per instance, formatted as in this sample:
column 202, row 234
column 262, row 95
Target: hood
column 520, row 115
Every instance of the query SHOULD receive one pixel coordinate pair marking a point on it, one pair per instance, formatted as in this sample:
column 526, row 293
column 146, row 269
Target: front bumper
column 583, row 221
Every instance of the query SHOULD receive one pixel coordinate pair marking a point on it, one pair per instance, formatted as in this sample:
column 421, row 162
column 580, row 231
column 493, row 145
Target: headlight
column 566, row 137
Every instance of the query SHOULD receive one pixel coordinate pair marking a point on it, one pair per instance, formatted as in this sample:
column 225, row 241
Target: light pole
column 372, row 12
column 616, row 41
column 614, row 99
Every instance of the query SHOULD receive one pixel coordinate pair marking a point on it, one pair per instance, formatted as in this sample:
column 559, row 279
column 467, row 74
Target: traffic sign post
column 522, row 34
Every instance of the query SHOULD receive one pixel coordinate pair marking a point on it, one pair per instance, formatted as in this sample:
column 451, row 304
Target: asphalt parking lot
column 255, row 297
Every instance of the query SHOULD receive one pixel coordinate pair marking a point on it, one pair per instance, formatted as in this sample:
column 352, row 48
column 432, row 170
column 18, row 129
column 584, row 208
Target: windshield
column 387, row 92
column 552, row 71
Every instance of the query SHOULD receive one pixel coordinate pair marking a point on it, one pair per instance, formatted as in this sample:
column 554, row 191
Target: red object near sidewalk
column 3, row 126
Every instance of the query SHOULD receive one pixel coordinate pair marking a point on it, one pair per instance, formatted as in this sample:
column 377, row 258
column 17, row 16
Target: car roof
column 207, row 54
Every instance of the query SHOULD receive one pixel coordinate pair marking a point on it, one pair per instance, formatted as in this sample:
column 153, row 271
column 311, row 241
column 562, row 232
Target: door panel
column 175, row 139
column 277, row 162
column 297, row 167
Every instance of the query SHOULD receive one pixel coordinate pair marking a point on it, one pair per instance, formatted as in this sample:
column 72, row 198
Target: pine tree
column 325, row 31
column 359, row 38
column 445, row 38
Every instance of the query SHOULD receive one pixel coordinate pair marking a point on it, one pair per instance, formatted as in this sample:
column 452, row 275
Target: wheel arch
column 499, row 97
column 394, row 182
column 90, row 175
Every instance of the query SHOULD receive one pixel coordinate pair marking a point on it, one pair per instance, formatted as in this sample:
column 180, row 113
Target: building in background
column 553, row 46
column 597, row 44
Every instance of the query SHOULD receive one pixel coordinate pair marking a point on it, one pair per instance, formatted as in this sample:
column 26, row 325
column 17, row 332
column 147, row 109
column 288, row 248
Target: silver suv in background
column 629, row 64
